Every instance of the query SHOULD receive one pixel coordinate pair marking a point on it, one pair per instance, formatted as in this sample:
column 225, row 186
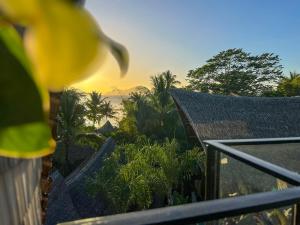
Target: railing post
column 212, row 174
column 20, row 191
column 297, row 214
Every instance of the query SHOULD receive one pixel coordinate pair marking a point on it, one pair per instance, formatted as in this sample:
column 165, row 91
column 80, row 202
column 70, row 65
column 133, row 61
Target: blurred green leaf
column 20, row 101
column 23, row 130
column 25, row 141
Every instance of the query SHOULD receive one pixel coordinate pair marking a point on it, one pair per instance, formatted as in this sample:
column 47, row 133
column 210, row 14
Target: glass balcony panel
column 237, row 179
column 279, row 216
column 286, row 155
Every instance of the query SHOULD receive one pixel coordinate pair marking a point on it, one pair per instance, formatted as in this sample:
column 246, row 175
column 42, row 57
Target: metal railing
column 213, row 208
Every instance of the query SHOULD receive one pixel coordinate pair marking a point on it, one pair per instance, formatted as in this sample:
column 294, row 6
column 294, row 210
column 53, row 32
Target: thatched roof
column 208, row 116
column 92, row 165
column 106, row 128
column 77, row 182
column 68, row 198
column 77, row 154
column 60, row 205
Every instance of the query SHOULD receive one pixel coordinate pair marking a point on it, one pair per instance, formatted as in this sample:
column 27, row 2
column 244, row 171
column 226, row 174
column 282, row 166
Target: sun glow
column 103, row 80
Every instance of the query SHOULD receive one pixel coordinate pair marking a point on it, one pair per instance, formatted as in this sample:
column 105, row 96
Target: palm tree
column 290, row 86
column 94, row 107
column 107, row 110
column 161, row 98
column 162, row 84
column 152, row 113
column 70, row 118
column 294, row 75
column 170, row 79
column 138, row 96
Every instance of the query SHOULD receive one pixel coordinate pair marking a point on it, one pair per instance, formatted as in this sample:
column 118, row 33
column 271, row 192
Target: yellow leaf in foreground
column 65, row 45
column 20, row 10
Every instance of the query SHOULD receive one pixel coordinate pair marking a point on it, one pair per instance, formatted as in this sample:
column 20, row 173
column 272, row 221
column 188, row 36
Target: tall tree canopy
column 235, row 71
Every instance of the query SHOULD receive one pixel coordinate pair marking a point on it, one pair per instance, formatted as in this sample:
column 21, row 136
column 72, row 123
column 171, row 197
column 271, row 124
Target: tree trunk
column 66, row 165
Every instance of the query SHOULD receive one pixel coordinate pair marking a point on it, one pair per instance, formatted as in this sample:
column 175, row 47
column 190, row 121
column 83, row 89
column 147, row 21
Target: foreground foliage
column 34, row 61
column 24, row 132
column 144, row 175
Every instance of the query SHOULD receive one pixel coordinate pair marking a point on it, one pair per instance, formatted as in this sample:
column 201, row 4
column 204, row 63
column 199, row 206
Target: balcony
column 248, row 181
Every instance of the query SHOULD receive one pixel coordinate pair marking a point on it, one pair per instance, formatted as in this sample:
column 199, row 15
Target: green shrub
column 144, row 175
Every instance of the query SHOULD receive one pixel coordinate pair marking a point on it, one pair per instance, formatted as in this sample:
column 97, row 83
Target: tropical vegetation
column 76, row 113
column 153, row 164
column 153, row 112
column 146, row 170
column 149, row 175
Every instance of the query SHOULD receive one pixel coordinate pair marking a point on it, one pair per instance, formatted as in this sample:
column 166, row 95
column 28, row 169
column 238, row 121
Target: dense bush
column 148, row 175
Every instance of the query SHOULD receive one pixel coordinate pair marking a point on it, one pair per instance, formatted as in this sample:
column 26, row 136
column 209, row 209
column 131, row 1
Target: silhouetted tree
column 70, row 118
column 94, row 105
column 153, row 113
column 107, row 110
column 235, row 71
